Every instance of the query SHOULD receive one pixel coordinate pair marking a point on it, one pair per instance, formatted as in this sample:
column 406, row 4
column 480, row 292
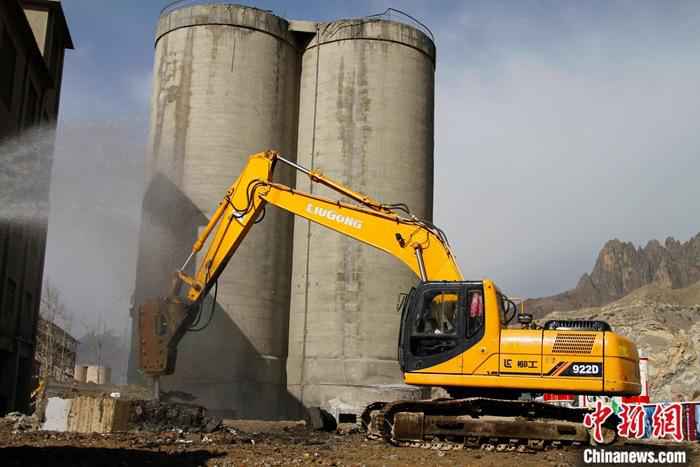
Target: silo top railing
column 411, row 20
column 385, row 14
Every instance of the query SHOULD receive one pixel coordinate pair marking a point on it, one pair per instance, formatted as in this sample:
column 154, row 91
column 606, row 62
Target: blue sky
column 559, row 125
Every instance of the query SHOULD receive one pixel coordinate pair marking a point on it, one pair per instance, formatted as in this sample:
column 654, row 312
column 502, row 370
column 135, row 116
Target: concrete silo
column 226, row 84
column 366, row 119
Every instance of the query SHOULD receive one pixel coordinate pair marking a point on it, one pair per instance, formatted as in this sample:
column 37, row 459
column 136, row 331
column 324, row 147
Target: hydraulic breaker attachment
column 162, row 324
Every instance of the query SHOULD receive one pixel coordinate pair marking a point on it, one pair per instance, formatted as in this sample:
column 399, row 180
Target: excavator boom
column 421, row 246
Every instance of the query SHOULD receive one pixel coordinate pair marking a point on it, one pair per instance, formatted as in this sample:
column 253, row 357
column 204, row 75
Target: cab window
column 440, row 321
column 475, row 316
column 439, row 314
column 437, row 322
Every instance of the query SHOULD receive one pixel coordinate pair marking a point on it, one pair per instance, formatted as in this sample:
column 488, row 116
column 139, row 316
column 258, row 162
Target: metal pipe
column 189, row 258
column 294, row 164
column 318, row 178
column 421, row 264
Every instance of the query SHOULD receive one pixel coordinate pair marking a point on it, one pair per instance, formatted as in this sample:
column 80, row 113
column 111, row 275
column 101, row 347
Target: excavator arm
column 417, row 243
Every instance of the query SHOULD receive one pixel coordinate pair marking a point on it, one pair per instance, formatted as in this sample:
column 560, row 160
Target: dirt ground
column 247, row 444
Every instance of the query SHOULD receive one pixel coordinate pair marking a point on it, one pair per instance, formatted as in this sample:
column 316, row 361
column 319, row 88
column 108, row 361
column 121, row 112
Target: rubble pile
column 18, row 422
column 153, row 415
column 77, row 407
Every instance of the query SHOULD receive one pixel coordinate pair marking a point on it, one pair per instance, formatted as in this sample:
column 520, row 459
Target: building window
column 8, row 59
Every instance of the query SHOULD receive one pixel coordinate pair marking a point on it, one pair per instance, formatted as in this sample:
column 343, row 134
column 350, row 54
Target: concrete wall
column 357, row 98
column 226, row 82
column 98, row 415
column 366, row 119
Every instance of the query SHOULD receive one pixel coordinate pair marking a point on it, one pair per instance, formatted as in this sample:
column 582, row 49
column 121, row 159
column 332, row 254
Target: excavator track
column 477, row 422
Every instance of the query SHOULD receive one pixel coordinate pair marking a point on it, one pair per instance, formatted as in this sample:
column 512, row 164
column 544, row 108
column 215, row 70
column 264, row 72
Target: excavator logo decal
column 333, row 216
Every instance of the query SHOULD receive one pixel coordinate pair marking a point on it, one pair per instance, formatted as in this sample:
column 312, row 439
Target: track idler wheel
column 408, row 426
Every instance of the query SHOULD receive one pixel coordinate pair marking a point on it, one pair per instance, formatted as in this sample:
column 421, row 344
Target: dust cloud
column 95, row 208
column 25, row 168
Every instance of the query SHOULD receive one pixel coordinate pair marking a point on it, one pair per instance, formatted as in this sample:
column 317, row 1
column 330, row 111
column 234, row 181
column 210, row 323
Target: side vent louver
column 570, row 342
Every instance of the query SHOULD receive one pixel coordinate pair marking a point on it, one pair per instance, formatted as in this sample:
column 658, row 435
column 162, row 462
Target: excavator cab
column 439, row 321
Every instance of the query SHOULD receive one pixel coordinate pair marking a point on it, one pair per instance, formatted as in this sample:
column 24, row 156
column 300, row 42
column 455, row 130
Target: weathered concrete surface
column 56, row 414
column 366, row 119
column 98, row 415
column 226, row 83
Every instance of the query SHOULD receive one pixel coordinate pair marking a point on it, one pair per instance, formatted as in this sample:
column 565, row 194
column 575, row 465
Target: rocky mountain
column 665, row 325
column 622, row 268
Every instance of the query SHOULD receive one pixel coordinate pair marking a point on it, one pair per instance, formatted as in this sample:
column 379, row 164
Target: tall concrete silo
column 366, row 119
column 226, row 85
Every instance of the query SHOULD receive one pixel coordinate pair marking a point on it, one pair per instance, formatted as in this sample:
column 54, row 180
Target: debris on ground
column 319, row 419
column 155, row 415
column 96, row 408
column 255, row 443
column 170, row 433
column 18, row 422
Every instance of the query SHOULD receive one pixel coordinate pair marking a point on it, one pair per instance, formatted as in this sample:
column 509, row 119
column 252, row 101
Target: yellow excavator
column 455, row 333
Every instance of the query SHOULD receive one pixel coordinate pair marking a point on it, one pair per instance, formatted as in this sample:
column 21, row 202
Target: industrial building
column 304, row 317
column 55, row 352
column 33, row 38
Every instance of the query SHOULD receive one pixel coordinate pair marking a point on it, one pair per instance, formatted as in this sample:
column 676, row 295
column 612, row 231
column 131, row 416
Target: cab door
column 433, row 329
